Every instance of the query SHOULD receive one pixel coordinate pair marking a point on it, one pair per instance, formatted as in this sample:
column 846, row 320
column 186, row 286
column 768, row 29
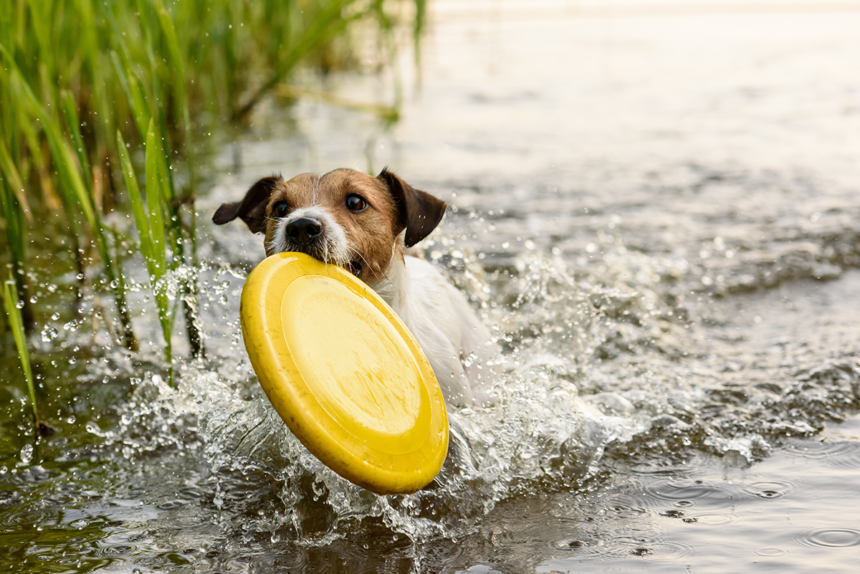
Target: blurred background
column 653, row 206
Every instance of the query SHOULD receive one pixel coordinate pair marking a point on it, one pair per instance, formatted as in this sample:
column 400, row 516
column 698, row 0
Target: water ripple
column 841, row 454
column 774, row 489
column 827, row 537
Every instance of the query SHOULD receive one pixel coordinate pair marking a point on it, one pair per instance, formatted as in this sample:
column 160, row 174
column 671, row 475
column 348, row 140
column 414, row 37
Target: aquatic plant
column 76, row 191
column 150, row 226
column 13, row 313
column 82, row 83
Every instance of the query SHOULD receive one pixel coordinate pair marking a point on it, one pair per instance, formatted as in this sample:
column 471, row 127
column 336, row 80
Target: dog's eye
column 355, row 203
column 280, row 209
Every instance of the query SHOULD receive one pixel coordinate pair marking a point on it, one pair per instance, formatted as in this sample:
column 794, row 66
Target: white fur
column 455, row 342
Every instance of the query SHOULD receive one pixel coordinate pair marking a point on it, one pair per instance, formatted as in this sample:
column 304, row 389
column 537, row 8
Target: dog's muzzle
column 307, row 234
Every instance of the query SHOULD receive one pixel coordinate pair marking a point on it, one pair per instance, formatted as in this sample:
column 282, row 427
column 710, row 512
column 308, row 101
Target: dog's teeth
column 353, row 268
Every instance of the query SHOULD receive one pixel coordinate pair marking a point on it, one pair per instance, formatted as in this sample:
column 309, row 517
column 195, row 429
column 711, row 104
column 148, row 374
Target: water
column 654, row 209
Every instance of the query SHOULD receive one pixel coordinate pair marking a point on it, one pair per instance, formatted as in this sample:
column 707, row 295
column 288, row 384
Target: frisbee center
column 353, row 361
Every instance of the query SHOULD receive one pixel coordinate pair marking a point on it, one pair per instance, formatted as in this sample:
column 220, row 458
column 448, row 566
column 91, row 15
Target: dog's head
column 344, row 217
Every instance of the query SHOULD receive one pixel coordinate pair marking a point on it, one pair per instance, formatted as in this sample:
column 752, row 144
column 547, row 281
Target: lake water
column 654, row 206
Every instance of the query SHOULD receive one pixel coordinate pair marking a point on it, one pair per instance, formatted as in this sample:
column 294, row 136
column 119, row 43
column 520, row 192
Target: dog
column 366, row 224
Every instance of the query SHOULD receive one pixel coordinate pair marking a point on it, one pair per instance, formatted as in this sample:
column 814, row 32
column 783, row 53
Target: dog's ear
column 418, row 212
column 252, row 209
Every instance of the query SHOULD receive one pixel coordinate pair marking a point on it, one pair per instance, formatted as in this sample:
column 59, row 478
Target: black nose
column 304, row 230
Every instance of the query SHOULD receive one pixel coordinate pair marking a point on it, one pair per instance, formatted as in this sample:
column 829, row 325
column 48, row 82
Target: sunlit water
column 654, row 208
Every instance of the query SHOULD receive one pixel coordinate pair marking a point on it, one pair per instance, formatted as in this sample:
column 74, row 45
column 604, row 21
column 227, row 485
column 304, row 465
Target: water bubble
column 71, row 419
column 27, row 453
column 20, row 304
column 55, row 316
column 114, row 284
column 71, row 326
column 33, row 299
column 79, row 276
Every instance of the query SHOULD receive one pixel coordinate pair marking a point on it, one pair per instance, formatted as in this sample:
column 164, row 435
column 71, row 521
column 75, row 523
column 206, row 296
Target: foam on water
column 559, row 409
column 541, row 434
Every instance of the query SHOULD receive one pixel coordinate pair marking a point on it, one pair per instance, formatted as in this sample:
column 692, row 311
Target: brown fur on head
column 362, row 241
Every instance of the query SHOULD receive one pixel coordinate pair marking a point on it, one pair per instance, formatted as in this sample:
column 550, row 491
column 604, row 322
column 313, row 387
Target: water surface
column 653, row 206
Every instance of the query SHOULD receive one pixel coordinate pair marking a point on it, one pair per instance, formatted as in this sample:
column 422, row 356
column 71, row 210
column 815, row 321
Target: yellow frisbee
column 344, row 373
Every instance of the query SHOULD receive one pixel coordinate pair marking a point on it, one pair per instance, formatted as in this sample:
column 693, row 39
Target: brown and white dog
column 365, row 224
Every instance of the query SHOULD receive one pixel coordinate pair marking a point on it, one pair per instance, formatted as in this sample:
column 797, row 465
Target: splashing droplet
column 49, row 334
column 27, row 453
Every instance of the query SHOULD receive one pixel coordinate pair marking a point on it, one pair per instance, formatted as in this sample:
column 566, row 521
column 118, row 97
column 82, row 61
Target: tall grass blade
column 10, row 300
column 156, row 205
column 10, row 209
column 189, row 284
column 150, row 225
column 10, row 172
column 155, row 192
column 137, row 208
column 73, row 123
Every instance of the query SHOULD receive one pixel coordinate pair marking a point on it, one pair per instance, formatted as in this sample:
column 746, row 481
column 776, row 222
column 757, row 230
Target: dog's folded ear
column 252, row 209
column 419, row 212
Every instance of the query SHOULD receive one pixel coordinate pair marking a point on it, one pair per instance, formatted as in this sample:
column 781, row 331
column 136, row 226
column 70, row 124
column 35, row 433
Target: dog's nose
column 304, row 230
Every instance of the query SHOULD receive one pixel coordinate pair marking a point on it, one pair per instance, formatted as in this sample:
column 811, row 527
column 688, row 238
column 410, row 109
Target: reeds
column 16, row 324
column 83, row 82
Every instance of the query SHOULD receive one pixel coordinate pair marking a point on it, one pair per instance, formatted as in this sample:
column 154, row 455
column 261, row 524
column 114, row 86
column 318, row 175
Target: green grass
column 16, row 324
column 84, row 82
